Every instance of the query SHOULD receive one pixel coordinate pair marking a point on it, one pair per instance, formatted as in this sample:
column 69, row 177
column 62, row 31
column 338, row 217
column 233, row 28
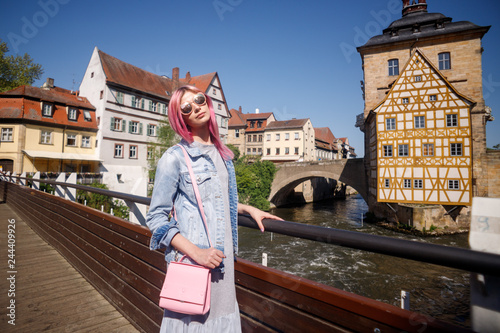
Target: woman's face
column 200, row 113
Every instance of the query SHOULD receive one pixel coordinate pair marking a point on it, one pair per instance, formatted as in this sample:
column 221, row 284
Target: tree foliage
column 254, row 179
column 104, row 202
column 17, row 70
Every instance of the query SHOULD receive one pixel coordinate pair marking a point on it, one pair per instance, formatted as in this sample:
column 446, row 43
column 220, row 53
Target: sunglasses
column 198, row 99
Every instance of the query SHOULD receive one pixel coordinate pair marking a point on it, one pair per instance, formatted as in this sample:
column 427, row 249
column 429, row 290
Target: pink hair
column 180, row 127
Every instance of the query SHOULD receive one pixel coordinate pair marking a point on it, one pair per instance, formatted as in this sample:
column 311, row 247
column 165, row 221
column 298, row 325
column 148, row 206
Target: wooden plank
column 112, row 287
column 37, row 308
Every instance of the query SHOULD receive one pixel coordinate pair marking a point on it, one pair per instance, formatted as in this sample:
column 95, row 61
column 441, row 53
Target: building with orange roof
column 130, row 105
column 246, row 131
column 325, row 141
column 47, row 129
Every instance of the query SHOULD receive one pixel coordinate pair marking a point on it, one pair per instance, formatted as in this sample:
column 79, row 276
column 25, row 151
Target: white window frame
column 8, row 134
column 390, row 124
column 86, row 141
column 419, row 121
column 72, row 114
column 71, row 136
column 46, row 137
column 118, row 150
column 406, row 183
column 426, row 148
column 418, row 183
column 456, row 149
column 133, row 152
column 403, row 150
column 452, row 120
column 453, row 184
column 387, row 151
column 151, row 130
column 47, row 109
column 86, row 115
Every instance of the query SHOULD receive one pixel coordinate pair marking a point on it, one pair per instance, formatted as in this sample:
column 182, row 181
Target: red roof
column 284, row 124
column 237, row 119
column 25, row 103
column 124, row 74
column 324, row 134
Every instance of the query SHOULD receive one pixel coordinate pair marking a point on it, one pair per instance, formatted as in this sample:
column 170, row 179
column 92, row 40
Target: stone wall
column 493, row 171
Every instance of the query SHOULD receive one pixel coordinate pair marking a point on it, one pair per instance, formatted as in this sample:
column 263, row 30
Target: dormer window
column 394, row 33
column 47, row 109
column 72, row 114
column 87, row 116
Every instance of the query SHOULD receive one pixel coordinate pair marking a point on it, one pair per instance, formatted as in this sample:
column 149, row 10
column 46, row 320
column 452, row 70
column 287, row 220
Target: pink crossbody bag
column 186, row 288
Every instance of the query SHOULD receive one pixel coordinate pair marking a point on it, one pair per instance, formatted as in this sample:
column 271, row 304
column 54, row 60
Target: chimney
column 239, row 110
column 257, row 111
column 188, row 76
column 49, row 83
column 414, row 6
column 175, row 74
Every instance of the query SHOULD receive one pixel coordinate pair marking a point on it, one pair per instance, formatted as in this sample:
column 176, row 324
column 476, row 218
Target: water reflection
column 434, row 290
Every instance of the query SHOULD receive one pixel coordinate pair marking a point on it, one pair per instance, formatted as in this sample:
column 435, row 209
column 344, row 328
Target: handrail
column 453, row 257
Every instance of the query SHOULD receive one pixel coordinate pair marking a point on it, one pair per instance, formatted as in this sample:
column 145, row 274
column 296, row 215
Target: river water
column 436, row 291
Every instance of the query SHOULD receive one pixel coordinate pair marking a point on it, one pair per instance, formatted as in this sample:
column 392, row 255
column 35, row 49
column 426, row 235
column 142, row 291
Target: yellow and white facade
column 421, row 138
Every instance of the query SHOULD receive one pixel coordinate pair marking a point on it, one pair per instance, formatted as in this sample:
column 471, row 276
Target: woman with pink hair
column 191, row 115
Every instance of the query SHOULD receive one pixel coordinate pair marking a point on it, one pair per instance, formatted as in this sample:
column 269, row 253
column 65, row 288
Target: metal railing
column 453, row 257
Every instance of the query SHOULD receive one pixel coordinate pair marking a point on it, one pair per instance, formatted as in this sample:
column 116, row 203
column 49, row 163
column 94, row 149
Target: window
column 388, row 151
column 453, row 184
column 249, row 151
column 444, row 61
column 287, row 151
column 418, row 78
column 249, row 138
column 433, row 98
column 219, row 106
column 287, row 136
column 85, row 141
column 154, row 106
column 451, row 120
column 296, row 150
column 277, row 151
column 71, row 140
column 259, row 124
column 406, row 183
column 403, row 150
column 47, row 109
column 118, row 151
column 260, row 137
column 268, row 137
column 418, row 183
column 150, row 153
column 101, row 94
column 136, row 102
column 132, row 152
column 428, row 149
column 134, row 127
column 268, row 151
column 456, row 149
column 117, row 124
column 86, row 115
column 406, row 100
column 420, row 122
column 7, row 134
column 151, row 130
column 164, row 108
column 278, row 137
column 387, row 183
column 390, row 124
column 46, row 138
column 252, row 124
column 236, row 133
column 119, row 97
column 260, row 151
column 297, row 136
column 255, row 138
column 393, row 67
column 72, row 114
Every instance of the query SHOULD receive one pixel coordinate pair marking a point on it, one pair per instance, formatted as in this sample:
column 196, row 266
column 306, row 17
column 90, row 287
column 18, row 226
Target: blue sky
column 294, row 58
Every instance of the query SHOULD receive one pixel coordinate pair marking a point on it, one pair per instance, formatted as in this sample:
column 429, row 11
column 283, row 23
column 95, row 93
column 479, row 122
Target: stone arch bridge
column 289, row 175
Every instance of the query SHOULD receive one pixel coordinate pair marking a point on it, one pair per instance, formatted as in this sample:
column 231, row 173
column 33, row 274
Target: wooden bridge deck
column 50, row 295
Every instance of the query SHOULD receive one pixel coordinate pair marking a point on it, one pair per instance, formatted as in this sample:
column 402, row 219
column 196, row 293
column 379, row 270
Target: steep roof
column 201, row 82
column 130, row 76
column 324, row 134
column 54, row 95
column 284, row 124
column 237, row 119
column 24, row 104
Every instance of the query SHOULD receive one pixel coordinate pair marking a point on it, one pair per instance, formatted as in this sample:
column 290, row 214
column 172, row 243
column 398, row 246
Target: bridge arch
column 289, row 175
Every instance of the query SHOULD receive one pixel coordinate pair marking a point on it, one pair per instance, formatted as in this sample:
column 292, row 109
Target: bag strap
column 196, row 191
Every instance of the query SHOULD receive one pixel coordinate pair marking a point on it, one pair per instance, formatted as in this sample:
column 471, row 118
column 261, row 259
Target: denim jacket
column 174, row 188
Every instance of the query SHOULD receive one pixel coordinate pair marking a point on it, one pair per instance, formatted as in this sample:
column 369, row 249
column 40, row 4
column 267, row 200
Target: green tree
column 166, row 138
column 254, row 182
column 497, row 146
column 17, row 70
column 235, row 151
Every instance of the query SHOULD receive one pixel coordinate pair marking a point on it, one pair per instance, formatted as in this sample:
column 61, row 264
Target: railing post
column 36, row 184
column 59, row 189
column 23, row 181
column 71, row 192
column 137, row 214
column 13, row 178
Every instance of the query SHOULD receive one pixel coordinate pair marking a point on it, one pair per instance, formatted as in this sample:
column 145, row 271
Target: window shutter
column 148, row 131
column 112, row 123
column 124, row 124
column 140, row 128
column 142, row 103
column 133, row 101
column 130, row 127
